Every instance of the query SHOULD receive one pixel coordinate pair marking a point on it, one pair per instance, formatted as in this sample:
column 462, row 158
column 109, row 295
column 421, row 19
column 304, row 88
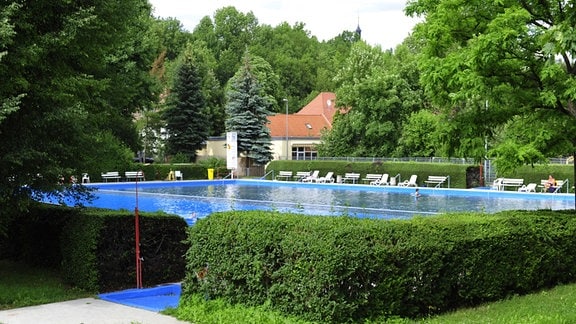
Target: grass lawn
column 22, row 286
column 556, row 306
column 553, row 306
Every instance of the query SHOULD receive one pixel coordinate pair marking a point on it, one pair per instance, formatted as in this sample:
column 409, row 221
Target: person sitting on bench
column 550, row 184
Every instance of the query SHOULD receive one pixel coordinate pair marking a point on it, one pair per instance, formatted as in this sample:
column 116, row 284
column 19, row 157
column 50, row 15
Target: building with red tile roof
column 294, row 136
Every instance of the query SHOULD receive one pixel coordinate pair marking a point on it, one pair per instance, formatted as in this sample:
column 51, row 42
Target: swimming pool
column 196, row 199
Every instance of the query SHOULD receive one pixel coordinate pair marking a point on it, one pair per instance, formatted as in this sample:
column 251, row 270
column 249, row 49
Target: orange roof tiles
column 309, row 121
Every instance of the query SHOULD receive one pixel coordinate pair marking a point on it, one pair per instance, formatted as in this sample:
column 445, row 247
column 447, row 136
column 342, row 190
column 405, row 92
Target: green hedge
column 33, row 237
column 343, row 269
column 457, row 172
column 540, row 172
column 159, row 171
column 461, row 175
column 95, row 249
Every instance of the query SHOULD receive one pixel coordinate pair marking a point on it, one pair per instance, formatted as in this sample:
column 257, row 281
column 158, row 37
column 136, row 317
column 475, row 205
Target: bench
column 353, row 177
column 134, row 175
column 284, row 175
column 553, row 189
column 114, row 175
column 543, row 184
column 502, row 183
column 301, row 175
column 437, row 181
column 371, row 177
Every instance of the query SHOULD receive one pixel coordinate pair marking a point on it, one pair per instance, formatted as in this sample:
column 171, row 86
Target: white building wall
column 216, row 147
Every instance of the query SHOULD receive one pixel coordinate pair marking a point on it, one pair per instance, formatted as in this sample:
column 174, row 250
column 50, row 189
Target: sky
column 382, row 22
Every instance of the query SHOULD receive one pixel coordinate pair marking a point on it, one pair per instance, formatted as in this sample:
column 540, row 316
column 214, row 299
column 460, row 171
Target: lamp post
column 286, row 102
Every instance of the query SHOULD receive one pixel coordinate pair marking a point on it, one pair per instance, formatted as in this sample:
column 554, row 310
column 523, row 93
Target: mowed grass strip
column 21, row 286
column 556, row 305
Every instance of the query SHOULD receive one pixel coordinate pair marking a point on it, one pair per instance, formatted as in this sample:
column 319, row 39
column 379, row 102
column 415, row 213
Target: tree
column 293, row 54
column 268, row 80
column 380, row 97
column 212, row 91
column 184, row 115
column 419, row 136
column 10, row 104
column 234, row 31
column 72, row 75
column 170, row 36
column 500, row 68
column 247, row 115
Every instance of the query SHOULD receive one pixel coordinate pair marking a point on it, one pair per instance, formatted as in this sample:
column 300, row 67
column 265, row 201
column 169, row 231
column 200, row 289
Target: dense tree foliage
column 380, row 93
column 419, row 135
column 501, row 70
column 72, row 75
column 170, row 37
column 473, row 73
column 185, row 113
column 234, row 32
column 304, row 65
column 247, row 115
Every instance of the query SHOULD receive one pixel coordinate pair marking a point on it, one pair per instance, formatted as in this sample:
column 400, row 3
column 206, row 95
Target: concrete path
column 84, row 311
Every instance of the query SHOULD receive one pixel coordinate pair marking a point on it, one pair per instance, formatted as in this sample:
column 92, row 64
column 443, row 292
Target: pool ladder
column 264, row 176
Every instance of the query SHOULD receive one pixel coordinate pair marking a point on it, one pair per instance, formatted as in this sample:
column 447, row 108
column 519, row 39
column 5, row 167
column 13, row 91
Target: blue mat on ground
column 154, row 299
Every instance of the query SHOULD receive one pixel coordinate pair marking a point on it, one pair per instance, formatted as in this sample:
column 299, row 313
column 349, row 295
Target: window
column 307, row 152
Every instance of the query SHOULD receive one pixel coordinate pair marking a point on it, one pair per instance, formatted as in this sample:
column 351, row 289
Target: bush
column 457, row 172
column 99, row 249
column 342, row 269
column 95, row 248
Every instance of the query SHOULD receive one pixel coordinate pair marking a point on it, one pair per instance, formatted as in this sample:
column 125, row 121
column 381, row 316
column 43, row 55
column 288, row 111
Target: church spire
column 358, row 30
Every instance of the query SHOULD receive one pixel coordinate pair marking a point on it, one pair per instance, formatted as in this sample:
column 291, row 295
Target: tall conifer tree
column 185, row 119
column 247, row 115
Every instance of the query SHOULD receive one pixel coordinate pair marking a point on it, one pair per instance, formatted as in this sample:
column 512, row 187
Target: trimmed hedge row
column 537, row 173
column 457, row 172
column 461, row 176
column 95, row 248
column 343, row 269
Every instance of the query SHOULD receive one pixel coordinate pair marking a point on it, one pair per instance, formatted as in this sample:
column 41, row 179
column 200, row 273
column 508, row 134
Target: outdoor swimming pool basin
column 197, row 199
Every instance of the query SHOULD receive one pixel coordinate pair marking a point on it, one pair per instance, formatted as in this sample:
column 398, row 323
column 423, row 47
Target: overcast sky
column 382, row 22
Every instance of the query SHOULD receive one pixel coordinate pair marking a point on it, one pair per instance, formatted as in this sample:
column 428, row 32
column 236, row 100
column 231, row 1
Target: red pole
column 137, row 239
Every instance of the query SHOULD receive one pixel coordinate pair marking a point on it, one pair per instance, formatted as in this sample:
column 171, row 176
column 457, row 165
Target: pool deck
column 86, row 311
column 480, row 191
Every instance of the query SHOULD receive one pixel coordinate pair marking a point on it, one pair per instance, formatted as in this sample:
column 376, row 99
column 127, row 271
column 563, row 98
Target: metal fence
column 567, row 160
column 489, row 168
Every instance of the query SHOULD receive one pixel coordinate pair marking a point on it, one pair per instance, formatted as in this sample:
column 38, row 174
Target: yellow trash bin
column 210, row 174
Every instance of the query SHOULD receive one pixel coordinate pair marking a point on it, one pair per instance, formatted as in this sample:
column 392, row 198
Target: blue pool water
column 196, row 199
column 154, row 299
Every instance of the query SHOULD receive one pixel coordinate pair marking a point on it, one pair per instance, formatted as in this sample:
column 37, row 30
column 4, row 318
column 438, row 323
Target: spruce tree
column 184, row 115
column 247, row 115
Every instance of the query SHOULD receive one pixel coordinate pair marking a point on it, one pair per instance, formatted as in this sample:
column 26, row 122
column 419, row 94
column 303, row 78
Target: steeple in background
column 358, row 30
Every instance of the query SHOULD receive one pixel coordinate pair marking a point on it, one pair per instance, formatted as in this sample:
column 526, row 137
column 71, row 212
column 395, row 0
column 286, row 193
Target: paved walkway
column 84, row 311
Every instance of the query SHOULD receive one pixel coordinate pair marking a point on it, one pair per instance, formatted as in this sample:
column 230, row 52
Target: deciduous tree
column 72, row 75
column 378, row 97
column 501, row 67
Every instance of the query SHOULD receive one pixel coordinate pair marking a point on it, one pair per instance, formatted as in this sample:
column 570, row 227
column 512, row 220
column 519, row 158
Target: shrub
column 95, row 248
column 343, row 269
column 457, row 172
